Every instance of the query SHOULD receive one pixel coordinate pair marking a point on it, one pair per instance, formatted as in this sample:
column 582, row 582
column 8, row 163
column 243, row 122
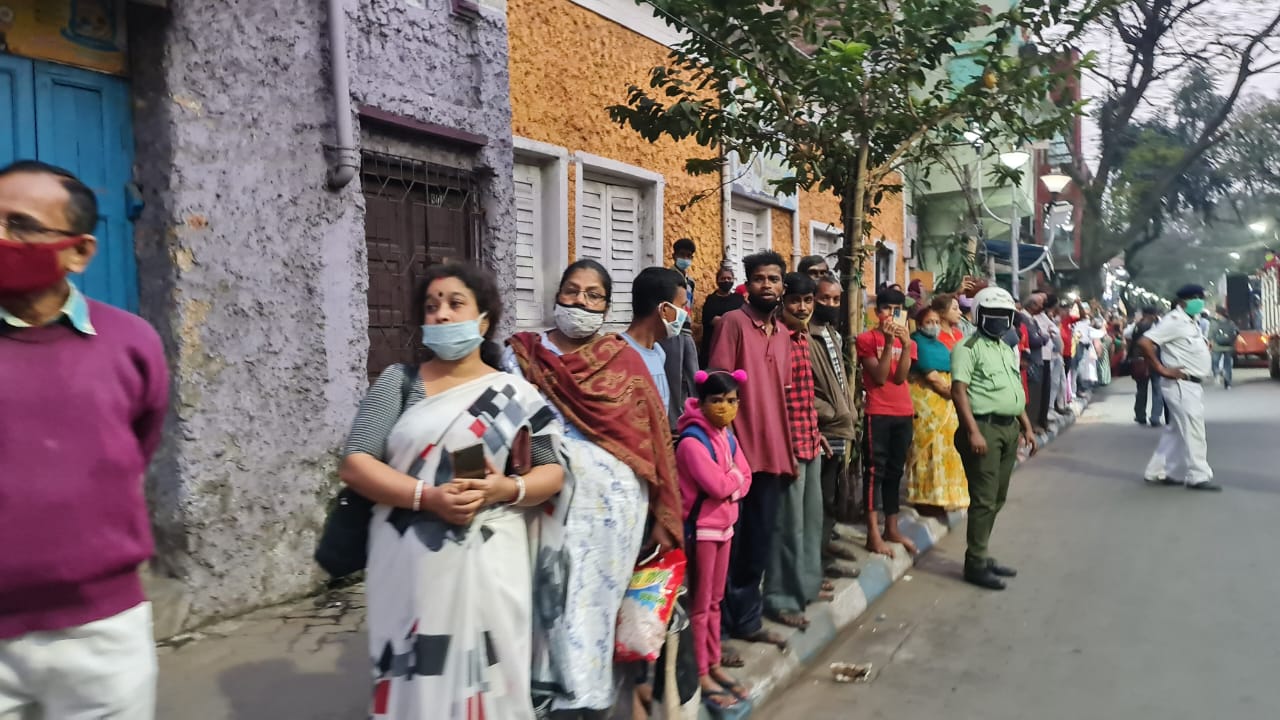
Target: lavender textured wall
column 255, row 272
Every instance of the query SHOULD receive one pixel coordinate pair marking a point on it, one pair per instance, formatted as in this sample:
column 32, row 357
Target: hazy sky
column 1206, row 24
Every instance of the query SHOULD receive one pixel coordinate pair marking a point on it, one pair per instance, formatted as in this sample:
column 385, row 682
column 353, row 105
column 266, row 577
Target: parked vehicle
column 1244, row 308
column 1269, row 284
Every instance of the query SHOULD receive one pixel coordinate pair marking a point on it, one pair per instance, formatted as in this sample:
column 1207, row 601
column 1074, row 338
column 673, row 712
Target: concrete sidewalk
column 308, row 660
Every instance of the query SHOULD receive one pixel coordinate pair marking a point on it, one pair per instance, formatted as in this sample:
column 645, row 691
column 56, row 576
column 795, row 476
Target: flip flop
column 764, row 636
column 708, row 699
column 835, row 570
column 789, row 619
column 732, row 686
column 732, row 660
column 840, row 552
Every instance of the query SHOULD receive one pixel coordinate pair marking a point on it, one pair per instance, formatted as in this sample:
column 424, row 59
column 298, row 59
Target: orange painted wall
column 887, row 224
column 569, row 64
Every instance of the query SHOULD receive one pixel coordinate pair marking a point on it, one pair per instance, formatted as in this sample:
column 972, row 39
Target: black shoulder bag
column 344, row 545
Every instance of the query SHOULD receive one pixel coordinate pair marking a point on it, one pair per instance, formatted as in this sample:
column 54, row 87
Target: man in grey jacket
column 835, row 413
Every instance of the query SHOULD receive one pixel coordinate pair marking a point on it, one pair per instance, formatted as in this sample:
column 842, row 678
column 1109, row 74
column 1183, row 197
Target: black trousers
column 885, row 445
column 1039, row 390
column 743, row 607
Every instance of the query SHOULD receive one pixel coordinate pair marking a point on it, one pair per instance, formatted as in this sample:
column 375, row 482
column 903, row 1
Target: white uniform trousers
column 1183, row 452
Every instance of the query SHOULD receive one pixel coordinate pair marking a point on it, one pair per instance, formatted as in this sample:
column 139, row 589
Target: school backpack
column 697, row 433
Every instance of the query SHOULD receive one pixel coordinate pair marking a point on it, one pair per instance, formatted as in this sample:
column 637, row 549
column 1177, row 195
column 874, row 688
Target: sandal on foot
column 709, row 699
column 790, row 619
column 765, row 636
column 835, row 570
column 732, row 660
column 732, row 686
column 840, row 552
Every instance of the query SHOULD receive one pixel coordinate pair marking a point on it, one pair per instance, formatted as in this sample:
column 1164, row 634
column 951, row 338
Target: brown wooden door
column 416, row 215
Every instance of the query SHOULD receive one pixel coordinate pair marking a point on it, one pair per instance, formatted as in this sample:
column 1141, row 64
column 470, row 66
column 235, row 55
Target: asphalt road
column 1133, row 602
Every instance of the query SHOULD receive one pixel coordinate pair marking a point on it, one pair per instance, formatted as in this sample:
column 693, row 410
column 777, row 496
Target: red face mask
column 30, row 267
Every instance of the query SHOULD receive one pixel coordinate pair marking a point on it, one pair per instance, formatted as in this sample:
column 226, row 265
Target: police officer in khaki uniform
column 986, row 385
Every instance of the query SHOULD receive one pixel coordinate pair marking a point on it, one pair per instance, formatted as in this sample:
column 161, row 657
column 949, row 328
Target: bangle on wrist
column 520, row 489
column 417, row 495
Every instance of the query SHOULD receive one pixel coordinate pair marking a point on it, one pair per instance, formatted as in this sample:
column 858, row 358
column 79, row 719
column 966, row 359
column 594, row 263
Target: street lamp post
column 1014, row 160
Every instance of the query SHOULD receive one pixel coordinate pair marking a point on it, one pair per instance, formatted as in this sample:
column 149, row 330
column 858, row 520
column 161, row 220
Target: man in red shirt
column 885, row 354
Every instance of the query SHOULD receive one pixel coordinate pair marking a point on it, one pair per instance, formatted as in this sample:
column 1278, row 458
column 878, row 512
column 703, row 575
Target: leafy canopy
column 817, row 82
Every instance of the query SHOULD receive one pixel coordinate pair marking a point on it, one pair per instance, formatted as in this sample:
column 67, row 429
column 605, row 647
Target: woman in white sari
column 449, row 578
column 621, row 469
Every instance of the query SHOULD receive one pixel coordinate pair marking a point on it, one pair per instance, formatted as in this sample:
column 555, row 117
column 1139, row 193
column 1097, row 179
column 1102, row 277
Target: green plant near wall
column 956, row 261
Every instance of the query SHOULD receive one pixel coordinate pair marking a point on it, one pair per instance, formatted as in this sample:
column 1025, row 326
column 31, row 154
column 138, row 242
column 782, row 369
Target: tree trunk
column 853, row 209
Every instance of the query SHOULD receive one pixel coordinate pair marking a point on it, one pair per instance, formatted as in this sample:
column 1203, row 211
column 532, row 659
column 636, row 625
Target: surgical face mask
column 1195, row 307
column 994, row 326
column 578, row 322
column 683, row 264
column 674, row 326
column 455, row 340
column 721, row 414
column 931, row 330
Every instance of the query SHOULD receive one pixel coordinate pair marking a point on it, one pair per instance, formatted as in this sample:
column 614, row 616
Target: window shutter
column 623, row 234
column 530, row 303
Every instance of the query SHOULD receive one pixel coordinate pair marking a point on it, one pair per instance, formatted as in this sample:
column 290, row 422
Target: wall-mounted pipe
column 346, row 159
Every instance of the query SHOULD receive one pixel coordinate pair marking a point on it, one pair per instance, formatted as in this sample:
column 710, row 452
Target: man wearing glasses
column 86, row 391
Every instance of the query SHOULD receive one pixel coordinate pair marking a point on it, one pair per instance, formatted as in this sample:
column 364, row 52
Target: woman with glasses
column 620, row 470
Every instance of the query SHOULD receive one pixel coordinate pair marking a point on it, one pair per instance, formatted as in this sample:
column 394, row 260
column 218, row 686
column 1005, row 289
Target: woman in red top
column 949, row 312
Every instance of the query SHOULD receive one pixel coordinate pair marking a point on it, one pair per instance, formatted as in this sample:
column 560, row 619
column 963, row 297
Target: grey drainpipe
column 347, row 160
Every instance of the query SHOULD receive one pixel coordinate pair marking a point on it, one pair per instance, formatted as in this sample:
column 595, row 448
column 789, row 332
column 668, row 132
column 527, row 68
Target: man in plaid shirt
column 793, row 576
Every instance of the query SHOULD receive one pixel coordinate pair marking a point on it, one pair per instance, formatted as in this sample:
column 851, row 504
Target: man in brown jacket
column 835, row 410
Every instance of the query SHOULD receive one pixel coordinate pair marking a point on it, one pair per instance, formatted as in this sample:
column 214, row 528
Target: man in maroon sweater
column 85, row 394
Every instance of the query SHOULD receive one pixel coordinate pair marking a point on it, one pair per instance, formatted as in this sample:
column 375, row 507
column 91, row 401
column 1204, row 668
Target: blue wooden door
column 82, row 123
column 17, row 110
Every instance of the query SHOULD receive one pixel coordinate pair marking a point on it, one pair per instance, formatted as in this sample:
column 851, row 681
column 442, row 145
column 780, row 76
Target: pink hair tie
column 700, row 377
column 740, row 376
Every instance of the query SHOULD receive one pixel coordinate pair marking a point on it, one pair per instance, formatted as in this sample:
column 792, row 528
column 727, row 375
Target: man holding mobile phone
column 885, row 355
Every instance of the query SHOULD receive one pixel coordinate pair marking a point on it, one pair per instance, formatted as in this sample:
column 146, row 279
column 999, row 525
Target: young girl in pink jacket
column 714, row 476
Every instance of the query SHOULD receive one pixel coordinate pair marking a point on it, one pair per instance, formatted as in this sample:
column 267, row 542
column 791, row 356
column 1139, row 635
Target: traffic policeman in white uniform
column 1183, row 365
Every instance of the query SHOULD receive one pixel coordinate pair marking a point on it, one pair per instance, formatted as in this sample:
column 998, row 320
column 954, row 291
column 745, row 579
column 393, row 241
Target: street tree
column 847, row 92
column 1152, row 44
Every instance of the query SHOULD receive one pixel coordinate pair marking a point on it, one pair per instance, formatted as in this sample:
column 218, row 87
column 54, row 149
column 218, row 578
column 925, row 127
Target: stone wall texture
column 255, row 272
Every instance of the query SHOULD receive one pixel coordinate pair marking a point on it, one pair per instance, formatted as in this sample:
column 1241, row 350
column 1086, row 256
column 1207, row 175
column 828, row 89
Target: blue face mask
column 683, row 264
column 453, row 341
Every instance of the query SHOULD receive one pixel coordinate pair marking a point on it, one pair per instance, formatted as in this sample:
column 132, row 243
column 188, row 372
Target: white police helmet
column 994, row 298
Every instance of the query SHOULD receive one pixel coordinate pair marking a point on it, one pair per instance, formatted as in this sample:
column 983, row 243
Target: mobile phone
column 468, row 463
column 899, row 316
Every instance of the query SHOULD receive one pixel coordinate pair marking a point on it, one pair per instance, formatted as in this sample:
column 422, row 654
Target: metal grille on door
column 416, row 214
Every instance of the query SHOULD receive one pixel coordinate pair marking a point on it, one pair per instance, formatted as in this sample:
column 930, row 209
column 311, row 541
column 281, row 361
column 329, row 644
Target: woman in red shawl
column 619, row 477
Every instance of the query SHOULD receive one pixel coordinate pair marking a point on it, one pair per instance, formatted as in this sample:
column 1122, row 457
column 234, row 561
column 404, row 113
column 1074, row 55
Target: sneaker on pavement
column 1206, row 486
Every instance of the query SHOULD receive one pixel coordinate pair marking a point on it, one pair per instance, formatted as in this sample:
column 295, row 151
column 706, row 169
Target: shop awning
column 1028, row 253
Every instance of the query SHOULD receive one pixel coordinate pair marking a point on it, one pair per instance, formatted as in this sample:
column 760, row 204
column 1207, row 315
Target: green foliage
column 816, row 82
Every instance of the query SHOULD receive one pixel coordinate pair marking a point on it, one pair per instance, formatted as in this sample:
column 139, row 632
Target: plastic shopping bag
column 647, row 606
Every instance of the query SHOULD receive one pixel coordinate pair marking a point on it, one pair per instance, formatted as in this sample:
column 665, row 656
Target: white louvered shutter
column 624, row 248
column 744, row 238
column 530, row 303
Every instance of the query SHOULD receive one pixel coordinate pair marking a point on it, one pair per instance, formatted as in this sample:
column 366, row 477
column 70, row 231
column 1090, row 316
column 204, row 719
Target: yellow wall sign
column 84, row 33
